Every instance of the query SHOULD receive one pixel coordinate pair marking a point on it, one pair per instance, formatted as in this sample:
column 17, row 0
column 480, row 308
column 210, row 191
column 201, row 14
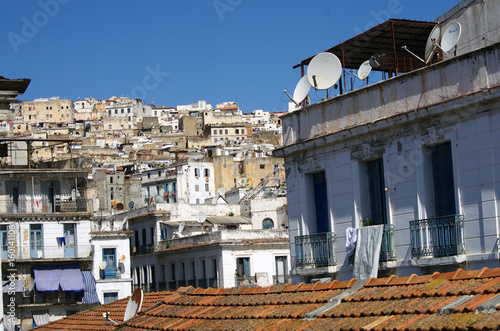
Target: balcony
column 29, row 205
column 55, row 252
column 437, row 237
column 315, row 250
column 145, row 249
column 282, row 279
column 244, row 281
column 110, row 273
column 387, row 251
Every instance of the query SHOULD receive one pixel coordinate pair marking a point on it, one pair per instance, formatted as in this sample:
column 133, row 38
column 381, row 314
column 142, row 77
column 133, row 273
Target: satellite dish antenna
column 324, row 71
column 221, row 191
column 432, row 42
column 364, row 70
column 102, row 265
column 119, row 206
column 131, row 204
column 450, row 37
column 158, row 199
column 243, row 181
column 124, row 223
column 114, row 203
column 301, row 91
column 122, row 259
column 181, row 227
column 200, row 217
column 376, row 61
column 134, row 304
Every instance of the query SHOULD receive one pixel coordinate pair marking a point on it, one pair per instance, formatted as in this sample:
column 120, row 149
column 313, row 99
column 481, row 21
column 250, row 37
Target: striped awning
column 89, row 291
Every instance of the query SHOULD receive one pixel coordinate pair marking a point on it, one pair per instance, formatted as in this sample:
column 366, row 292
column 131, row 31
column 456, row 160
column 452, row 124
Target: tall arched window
column 267, row 223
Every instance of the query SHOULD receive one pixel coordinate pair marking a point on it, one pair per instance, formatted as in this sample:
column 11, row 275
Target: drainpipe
column 32, row 195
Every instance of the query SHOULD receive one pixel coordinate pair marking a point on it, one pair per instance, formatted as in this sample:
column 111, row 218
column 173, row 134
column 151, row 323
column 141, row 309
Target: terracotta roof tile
column 390, row 303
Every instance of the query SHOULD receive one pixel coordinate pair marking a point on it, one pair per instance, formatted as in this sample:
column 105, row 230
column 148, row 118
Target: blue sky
column 181, row 51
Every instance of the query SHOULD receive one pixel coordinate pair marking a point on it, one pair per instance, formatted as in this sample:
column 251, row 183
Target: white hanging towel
column 368, row 252
column 351, row 236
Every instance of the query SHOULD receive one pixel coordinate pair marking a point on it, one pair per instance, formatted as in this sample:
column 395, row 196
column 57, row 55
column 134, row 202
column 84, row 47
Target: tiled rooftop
column 460, row 300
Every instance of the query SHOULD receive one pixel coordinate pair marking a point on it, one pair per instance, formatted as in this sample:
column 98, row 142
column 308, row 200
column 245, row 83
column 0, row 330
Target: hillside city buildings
column 104, row 196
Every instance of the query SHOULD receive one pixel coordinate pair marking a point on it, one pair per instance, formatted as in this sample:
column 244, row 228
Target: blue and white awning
column 90, row 293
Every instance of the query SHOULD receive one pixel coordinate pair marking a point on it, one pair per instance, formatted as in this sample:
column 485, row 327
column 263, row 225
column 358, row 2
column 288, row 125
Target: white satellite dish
column 134, row 304
column 450, row 37
column 432, row 42
column 200, row 217
column 324, row 71
column 221, row 191
column 181, row 227
column 364, row 70
column 158, row 199
column 243, row 181
column 301, row 90
column 103, row 265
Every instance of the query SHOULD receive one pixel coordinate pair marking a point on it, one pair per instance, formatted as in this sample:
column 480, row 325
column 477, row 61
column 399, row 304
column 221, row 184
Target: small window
column 111, row 179
column 110, row 297
column 206, row 187
column 197, row 188
column 263, row 166
column 267, row 223
column 207, row 172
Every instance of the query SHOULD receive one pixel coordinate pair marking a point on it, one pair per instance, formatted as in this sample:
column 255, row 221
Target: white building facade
column 417, row 153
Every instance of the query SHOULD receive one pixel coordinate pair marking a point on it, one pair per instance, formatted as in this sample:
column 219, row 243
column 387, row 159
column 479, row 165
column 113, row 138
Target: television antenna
column 181, row 227
column 376, row 61
column 324, row 71
column 103, row 265
column 131, row 204
column 301, row 91
column 200, row 217
column 431, row 44
column 134, row 304
column 364, row 70
column 450, row 37
column 243, row 181
column 124, row 223
column 220, row 193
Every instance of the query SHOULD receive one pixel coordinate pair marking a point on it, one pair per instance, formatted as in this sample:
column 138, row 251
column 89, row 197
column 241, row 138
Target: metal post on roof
column 343, row 69
column 396, row 65
column 302, row 75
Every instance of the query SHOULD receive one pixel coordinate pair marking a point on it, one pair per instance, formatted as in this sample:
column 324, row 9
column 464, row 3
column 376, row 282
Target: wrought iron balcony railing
column 43, row 206
column 387, row 251
column 437, row 237
column 244, row 281
column 282, row 279
column 53, row 252
column 110, row 273
column 315, row 250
